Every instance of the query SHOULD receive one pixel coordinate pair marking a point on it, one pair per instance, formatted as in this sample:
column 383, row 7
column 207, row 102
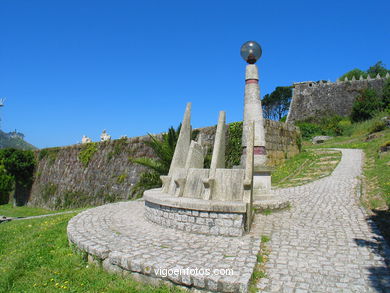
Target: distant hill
column 14, row 140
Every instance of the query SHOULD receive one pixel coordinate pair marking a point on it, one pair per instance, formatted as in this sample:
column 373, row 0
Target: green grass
column 35, row 257
column 9, row 210
column 259, row 271
column 307, row 166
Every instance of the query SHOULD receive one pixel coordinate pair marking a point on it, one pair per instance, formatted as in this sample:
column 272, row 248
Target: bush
column 386, row 96
column 366, row 106
column 378, row 125
column 20, row 165
column 6, row 185
column 234, row 145
column 309, row 130
column 345, row 127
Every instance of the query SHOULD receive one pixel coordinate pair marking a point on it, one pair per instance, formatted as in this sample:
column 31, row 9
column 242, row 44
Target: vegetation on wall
column 49, row 153
column 119, row 146
column 86, row 153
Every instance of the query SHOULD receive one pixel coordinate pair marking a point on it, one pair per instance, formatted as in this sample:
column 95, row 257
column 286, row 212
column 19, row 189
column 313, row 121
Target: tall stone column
column 253, row 112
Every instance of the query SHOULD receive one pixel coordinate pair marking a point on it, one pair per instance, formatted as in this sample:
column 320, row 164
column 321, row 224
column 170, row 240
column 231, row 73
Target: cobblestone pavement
column 119, row 235
column 325, row 242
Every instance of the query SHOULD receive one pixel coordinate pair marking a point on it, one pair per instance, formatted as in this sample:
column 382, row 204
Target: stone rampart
column 97, row 173
column 313, row 99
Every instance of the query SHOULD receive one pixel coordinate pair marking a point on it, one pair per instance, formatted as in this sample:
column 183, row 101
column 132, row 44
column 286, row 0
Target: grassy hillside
column 14, row 142
column 35, row 256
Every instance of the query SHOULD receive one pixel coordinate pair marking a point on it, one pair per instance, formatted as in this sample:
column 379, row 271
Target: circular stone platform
column 122, row 240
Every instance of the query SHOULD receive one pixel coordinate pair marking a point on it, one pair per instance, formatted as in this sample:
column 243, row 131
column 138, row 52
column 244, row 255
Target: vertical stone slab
column 248, row 177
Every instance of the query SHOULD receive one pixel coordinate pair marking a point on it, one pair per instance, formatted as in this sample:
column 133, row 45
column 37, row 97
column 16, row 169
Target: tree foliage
column 276, row 105
column 6, row 185
column 366, row 105
column 377, row 68
column 19, row 165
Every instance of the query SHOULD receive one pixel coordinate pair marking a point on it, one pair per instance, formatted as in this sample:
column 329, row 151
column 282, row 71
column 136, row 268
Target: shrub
column 386, row 95
column 366, row 105
column 87, row 152
column 6, row 185
column 20, row 165
column 234, row 145
column 309, row 130
column 378, row 125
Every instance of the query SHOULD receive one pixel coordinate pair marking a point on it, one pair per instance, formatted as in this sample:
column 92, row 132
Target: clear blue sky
column 69, row 68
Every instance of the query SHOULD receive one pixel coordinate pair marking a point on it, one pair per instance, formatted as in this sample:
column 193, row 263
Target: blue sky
column 69, row 68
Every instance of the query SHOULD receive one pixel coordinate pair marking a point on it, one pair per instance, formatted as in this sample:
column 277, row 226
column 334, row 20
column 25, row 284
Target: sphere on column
column 251, row 52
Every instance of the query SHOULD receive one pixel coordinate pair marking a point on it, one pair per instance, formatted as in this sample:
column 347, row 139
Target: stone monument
column 214, row 201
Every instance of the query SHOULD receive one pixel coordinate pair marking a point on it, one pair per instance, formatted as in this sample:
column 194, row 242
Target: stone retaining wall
column 200, row 222
column 62, row 180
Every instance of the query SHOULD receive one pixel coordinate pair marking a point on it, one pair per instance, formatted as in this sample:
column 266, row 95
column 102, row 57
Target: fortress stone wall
column 63, row 181
column 323, row 98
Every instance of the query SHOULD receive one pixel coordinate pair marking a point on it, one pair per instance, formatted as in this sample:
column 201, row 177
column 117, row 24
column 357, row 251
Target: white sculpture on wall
column 85, row 139
column 105, row 136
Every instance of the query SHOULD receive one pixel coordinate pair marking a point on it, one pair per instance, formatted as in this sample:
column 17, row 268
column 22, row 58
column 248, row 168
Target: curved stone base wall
column 194, row 221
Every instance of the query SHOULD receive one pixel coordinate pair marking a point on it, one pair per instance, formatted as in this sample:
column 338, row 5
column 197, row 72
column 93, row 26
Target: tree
column 163, row 148
column 386, row 95
column 276, row 105
column 354, row 73
column 366, row 105
column 378, row 68
column 20, row 165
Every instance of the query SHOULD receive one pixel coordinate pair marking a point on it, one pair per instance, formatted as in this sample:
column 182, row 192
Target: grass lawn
column 35, row 257
column 307, row 166
column 9, row 210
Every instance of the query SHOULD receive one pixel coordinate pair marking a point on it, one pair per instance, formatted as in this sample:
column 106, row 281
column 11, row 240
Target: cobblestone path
column 325, row 242
column 120, row 236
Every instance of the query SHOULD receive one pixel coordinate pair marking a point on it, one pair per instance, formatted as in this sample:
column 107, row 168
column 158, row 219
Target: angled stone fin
column 218, row 157
column 353, row 78
column 346, row 78
column 378, row 76
column 183, row 142
column 368, row 77
column 361, row 77
column 387, row 75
